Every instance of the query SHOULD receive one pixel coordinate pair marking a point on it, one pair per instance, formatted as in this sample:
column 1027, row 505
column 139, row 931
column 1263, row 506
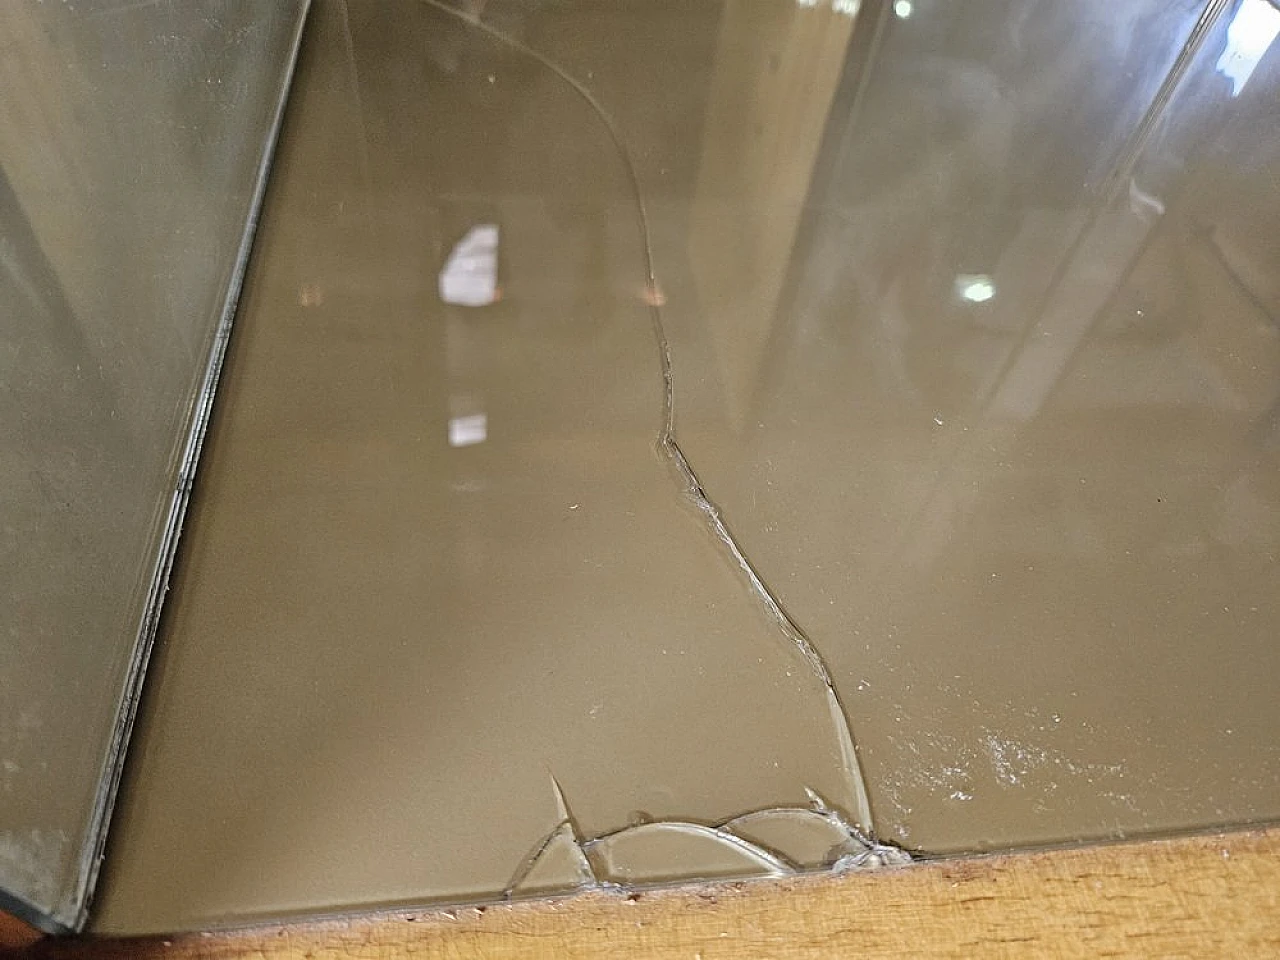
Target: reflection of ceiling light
column 903, row 8
column 468, row 431
column 848, row 7
column 975, row 287
column 470, row 276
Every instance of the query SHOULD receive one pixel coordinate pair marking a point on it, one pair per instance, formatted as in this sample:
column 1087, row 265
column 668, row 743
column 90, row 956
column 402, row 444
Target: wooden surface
column 1206, row 896
column 15, row 933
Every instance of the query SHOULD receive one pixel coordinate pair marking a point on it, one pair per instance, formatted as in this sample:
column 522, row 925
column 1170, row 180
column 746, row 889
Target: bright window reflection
column 1250, row 35
column 470, row 276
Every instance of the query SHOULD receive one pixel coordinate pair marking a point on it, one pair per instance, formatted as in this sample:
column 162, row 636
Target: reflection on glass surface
column 985, row 391
column 469, row 430
column 1252, row 31
column 1017, row 415
column 470, row 275
column 131, row 141
column 975, row 287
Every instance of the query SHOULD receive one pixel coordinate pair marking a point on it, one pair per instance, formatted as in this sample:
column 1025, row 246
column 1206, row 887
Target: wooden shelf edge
column 14, row 933
column 1195, row 896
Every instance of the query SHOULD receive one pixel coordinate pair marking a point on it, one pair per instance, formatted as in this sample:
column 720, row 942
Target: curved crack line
column 851, row 851
column 668, row 446
column 761, row 855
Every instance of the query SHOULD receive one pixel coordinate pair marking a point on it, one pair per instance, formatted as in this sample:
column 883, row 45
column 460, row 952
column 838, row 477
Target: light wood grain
column 1205, row 896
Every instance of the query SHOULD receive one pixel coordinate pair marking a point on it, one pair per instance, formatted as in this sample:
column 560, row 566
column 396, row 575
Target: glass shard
column 559, row 865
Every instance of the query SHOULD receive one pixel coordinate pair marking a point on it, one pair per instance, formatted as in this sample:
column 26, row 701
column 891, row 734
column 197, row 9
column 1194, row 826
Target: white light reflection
column 847, row 7
column 469, row 430
column 470, row 275
column 1250, row 35
column 903, row 8
column 975, row 287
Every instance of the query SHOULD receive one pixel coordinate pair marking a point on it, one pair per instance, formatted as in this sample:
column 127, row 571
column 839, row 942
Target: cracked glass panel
column 670, row 440
column 443, row 550
column 132, row 143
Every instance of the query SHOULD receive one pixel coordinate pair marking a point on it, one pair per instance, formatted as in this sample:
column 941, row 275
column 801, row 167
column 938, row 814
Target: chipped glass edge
column 603, row 862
